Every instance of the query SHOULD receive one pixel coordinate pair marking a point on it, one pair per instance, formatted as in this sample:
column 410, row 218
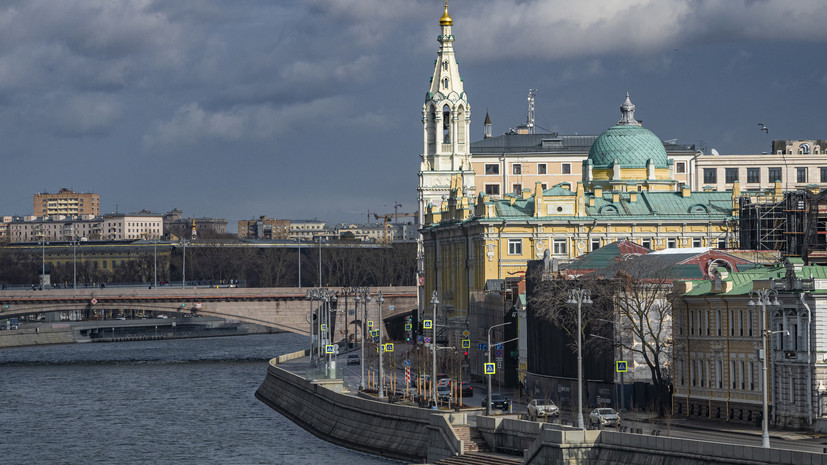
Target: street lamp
column 488, row 404
column 299, row 243
column 579, row 297
column 325, row 297
column 184, row 267
column 155, row 263
column 363, row 295
column 379, row 300
column 765, row 297
column 434, row 302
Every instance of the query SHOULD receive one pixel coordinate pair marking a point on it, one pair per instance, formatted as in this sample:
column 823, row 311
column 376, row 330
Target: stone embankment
column 416, row 435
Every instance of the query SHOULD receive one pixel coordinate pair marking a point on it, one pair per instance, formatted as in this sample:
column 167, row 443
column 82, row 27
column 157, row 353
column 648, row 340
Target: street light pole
column 184, row 268
column 155, row 262
column 434, row 302
column 763, row 297
column 299, row 242
column 379, row 300
column 309, row 298
column 365, row 293
column 490, row 388
column 579, row 297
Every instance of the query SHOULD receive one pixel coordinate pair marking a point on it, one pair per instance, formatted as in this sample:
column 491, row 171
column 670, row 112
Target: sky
column 311, row 109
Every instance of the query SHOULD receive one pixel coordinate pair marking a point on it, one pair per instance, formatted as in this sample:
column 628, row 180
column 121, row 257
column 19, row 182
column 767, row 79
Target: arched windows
column 445, row 83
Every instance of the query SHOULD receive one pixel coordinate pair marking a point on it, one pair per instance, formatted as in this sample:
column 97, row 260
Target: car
column 163, row 317
column 443, row 382
column 353, row 359
column 603, row 416
column 497, row 402
column 443, row 393
column 465, row 389
column 542, row 408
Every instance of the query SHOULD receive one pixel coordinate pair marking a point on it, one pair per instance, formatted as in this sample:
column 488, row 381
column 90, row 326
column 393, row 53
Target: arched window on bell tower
column 445, row 83
column 446, row 124
column 445, row 65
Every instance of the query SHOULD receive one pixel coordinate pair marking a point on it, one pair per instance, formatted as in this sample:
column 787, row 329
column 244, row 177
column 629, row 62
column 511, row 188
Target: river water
column 183, row 401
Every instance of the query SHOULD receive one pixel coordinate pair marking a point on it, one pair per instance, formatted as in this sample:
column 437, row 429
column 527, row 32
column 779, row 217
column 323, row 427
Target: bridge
column 285, row 309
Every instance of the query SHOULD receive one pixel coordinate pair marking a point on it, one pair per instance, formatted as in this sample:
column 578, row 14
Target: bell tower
column 446, row 123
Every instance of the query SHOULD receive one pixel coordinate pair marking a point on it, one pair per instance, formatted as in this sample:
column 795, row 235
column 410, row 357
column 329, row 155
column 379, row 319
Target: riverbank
column 69, row 332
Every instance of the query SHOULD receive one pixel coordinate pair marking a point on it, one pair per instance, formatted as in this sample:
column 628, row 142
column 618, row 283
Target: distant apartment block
column 175, row 223
column 264, row 228
column 66, row 202
column 306, row 230
column 123, row 226
column 52, row 228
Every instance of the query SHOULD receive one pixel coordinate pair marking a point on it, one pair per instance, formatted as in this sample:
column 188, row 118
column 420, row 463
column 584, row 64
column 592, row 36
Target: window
column 722, row 243
column 774, row 174
column 671, row 243
column 754, row 175
column 696, row 242
column 823, row 174
column 543, row 185
column 492, row 189
column 492, row 169
column 646, row 243
column 710, row 175
column 680, row 167
column 515, row 247
column 595, row 244
column 731, row 175
column 541, row 168
column 517, row 188
column 559, row 247
column 565, row 168
column 801, row 174
column 516, row 168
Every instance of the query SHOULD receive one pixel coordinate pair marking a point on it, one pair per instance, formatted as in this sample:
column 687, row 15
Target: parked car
column 353, row 359
column 497, row 402
column 601, row 417
column 444, row 382
column 443, row 393
column 465, row 389
column 541, row 408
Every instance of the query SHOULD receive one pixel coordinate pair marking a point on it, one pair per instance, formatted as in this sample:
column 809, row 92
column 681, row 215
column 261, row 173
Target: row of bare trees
column 217, row 262
column 631, row 314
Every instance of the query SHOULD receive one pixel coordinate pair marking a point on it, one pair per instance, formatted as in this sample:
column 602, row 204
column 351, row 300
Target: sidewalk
column 663, row 424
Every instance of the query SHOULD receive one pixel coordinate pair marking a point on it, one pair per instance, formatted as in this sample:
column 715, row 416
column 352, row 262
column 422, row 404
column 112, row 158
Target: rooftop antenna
column 530, row 120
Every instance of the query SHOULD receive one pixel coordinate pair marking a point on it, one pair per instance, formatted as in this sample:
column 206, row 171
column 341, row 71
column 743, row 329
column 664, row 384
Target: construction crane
column 388, row 218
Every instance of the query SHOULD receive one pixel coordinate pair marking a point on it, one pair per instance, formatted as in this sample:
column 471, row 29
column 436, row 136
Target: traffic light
column 465, row 354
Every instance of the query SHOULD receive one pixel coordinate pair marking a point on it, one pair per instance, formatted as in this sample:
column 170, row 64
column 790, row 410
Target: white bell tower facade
column 446, row 127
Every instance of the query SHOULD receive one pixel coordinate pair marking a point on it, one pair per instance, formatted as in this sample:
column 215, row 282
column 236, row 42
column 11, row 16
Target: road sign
column 490, row 368
column 427, row 324
column 408, row 326
column 329, row 349
column 370, row 323
column 466, row 343
column 498, row 346
column 407, row 363
column 94, row 301
column 419, row 337
column 198, row 305
column 466, row 333
column 324, row 327
column 622, row 366
column 498, row 353
column 376, row 339
column 390, row 307
column 483, row 347
column 427, row 340
column 389, row 347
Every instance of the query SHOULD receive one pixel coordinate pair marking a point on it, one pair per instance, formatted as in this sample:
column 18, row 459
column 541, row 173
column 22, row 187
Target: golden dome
column 446, row 20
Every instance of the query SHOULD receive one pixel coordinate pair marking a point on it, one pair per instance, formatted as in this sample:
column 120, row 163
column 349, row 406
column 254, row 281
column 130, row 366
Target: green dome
column 631, row 145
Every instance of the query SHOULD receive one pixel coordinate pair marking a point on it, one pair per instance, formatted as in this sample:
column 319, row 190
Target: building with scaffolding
column 793, row 223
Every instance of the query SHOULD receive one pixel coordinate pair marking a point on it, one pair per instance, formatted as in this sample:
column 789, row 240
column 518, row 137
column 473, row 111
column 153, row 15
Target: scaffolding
column 795, row 224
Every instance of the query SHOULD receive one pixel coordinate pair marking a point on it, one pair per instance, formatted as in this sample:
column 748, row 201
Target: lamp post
column 490, row 388
column 324, row 296
column 74, row 262
column 184, row 266
column 299, row 242
column 363, row 295
column 579, row 297
column 155, row 263
column 379, row 300
column 434, row 302
column 765, row 297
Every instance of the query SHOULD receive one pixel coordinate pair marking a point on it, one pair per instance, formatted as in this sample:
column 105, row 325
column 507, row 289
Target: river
column 180, row 401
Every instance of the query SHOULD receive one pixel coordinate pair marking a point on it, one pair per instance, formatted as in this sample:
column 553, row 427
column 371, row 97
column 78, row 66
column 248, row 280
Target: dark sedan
column 466, row 389
column 497, row 402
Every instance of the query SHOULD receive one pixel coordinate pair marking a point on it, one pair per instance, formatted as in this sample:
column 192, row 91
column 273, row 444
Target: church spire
column 446, row 20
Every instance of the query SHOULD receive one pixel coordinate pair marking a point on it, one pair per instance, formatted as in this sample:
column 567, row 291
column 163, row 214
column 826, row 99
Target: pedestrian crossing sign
column 329, row 349
column 427, row 324
column 466, row 343
column 490, row 368
column 389, row 347
column 621, row 366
